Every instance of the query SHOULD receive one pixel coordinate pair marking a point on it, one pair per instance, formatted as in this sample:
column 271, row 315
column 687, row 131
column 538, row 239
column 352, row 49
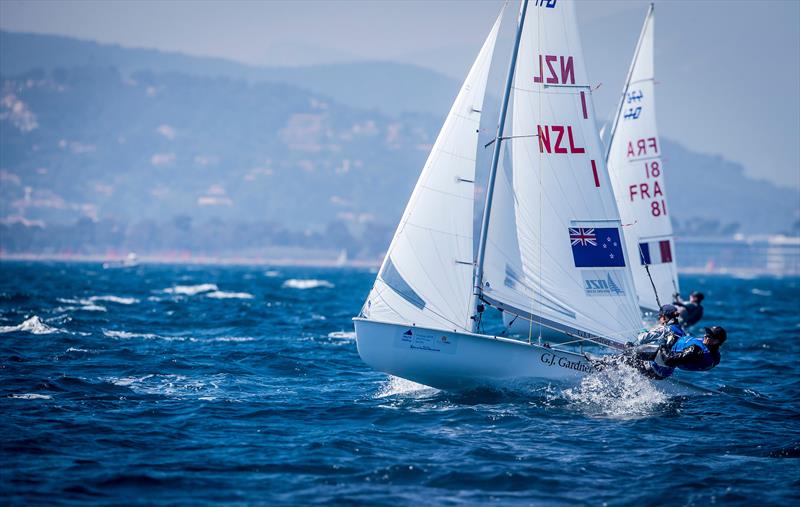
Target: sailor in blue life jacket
column 685, row 352
column 689, row 313
column 668, row 325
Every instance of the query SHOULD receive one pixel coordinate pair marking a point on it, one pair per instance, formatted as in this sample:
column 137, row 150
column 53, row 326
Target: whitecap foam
column 234, row 339
column 219, row 294
column 312, row 283
column 114, row 299
column 343, row 335
column 399, row 386
column 759, row 292
column 125, row 335
column 192, row 290
column 92, row 308
column 31, row 396
column 174, row 386
column 272, row 273
column 618, row 391
column 33, row 325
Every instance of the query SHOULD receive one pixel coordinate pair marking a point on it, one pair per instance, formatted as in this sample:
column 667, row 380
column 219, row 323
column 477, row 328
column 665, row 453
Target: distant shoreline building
column 776, row 255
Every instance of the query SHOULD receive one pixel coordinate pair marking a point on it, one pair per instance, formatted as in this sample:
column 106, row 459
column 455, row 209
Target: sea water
column 243, row 385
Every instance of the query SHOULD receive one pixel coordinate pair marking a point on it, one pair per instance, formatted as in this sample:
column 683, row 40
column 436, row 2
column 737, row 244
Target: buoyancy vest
column 709, row 360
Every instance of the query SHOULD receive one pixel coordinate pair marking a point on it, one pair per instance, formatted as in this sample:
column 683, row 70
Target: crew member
column 686, row 352
column 668, row 325
column 691, row 312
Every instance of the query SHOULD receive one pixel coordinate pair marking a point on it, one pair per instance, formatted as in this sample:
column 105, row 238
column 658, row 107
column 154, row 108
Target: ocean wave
column 759, row 292
column 171, row 385
column 272, row 273
column 33, row 325
column 233, row 339
column 30, row 396
column 115, row 299
column 343, row 335
column 125, row 335
column 219, row 294
column 306, row 283
column 192, row 290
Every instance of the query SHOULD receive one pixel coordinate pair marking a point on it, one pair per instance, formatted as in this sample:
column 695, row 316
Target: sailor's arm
column 685, row 356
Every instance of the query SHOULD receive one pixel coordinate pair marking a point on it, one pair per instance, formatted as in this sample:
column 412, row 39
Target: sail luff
column 487, row 208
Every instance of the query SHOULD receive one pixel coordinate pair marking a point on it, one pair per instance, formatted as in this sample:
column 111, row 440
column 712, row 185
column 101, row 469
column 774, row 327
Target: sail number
column 551, row 74
column 650, row 190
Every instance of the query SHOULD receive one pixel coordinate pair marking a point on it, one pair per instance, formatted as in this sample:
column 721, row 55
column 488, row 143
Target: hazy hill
column 127, row 147
column 385, row 86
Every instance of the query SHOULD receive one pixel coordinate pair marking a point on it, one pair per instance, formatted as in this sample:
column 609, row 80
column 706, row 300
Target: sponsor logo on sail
column 607, row 285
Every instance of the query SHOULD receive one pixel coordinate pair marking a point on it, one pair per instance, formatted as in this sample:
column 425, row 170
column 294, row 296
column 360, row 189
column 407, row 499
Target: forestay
column 555, row 247
column 426, row 276
column 637, row 174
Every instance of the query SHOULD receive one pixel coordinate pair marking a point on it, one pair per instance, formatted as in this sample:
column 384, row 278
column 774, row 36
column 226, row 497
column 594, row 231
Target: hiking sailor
column 691, row 312
column 685, row 352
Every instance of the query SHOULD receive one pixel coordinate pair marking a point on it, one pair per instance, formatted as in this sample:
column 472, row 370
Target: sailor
column 667, row 326
column 691, row 312
column 686, row 352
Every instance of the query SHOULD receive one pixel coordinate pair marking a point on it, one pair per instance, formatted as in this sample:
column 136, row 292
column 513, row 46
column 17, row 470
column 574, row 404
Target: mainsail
column 426, row 276
column 637, row 174
column 555, row 248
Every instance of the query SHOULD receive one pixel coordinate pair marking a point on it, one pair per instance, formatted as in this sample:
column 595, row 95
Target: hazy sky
column 729, row 71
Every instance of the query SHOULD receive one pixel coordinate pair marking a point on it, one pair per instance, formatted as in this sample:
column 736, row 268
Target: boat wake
column 619, row 392
column 396, row 386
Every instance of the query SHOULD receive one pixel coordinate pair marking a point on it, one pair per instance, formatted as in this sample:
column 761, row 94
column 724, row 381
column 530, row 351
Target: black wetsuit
column 691, row 313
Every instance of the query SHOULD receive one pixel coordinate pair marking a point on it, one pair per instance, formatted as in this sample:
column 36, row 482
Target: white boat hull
column 451, row 360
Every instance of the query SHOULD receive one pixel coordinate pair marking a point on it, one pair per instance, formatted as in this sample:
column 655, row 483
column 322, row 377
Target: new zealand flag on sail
column 596, row 247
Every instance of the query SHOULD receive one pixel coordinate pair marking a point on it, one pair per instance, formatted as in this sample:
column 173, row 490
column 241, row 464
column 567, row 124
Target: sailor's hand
column 676, row 297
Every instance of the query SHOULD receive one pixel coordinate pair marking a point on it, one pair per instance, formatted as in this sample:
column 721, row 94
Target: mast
column 628, row 81
column 487, row 208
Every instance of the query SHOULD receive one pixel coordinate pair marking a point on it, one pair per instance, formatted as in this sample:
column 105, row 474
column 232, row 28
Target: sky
column 728, row 72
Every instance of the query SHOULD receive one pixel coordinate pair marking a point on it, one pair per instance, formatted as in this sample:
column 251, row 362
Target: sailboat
column 636, row 169
column 551, row 249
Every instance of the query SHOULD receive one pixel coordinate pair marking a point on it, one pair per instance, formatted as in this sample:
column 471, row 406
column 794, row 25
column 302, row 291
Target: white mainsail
column 555, row 250
column 426, row 276
column 637, row 174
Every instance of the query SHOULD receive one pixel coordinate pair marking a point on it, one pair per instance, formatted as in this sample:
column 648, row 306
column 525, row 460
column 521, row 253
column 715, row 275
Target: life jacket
column 710, row 359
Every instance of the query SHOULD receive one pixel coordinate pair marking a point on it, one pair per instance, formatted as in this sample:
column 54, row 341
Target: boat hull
column 453, row 361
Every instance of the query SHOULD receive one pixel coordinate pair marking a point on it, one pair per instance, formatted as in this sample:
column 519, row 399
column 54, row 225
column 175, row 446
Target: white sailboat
column 550, row 250
column 637, row 175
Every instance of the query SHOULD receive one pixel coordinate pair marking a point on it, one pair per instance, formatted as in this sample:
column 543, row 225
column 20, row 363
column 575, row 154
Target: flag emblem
column 596, row 247
column 582, row 237
column 655, row 252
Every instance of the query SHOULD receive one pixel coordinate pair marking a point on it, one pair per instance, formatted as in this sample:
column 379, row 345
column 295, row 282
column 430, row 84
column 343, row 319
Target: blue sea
column 189, row 385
